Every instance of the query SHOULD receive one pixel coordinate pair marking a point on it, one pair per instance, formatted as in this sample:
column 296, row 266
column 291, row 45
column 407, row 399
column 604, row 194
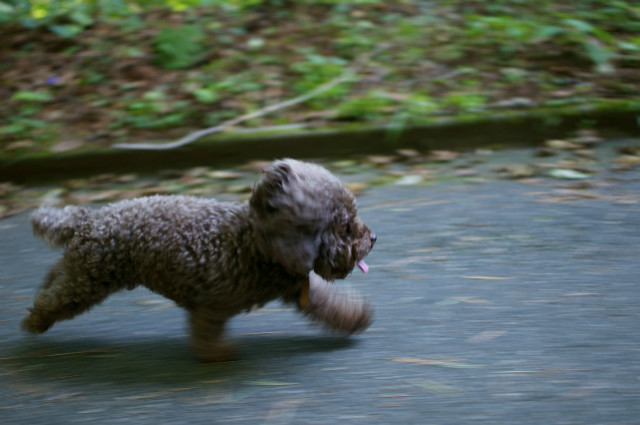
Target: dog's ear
column 289, row 216
column 280, row 172
column 267, row 192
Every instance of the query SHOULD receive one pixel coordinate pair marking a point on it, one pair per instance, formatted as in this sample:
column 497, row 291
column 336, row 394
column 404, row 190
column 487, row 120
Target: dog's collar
column 303, row 300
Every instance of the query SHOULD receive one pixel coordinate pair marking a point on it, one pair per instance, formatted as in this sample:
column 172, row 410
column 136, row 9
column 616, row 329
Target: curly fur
column 215, row 259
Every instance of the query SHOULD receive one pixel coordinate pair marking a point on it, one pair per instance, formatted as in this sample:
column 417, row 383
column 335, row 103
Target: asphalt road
column 496, row 303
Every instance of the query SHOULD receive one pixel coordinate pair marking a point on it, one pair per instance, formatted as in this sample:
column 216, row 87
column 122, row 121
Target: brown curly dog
column 215, row 259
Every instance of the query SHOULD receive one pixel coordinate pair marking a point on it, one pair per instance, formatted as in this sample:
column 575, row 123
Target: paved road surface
column 497, row 303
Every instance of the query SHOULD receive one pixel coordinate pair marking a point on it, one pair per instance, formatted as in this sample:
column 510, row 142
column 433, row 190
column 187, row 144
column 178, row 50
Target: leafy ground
column 80, row 82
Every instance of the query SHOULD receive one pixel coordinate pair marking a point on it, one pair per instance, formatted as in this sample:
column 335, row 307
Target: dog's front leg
column 342, row 310
column 207, row 336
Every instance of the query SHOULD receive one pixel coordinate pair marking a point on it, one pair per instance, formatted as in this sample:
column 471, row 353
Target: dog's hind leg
column 63, row 296
column 207, row 336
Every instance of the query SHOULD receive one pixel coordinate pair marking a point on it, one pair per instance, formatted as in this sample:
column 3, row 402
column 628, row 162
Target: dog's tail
column 55, row 225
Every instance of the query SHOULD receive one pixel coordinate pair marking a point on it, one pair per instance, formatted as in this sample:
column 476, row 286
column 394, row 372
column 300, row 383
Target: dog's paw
column 349, row 313
column 35, row 323
column 341, row 310
column 220, row 352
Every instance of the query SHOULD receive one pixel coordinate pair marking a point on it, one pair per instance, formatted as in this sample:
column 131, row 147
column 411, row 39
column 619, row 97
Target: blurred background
column 79, row 73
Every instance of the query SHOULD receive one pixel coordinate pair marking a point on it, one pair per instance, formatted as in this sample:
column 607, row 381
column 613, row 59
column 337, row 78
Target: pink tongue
column 363, row 266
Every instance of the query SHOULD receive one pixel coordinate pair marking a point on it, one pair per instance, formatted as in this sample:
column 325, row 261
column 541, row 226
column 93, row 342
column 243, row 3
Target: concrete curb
column 502, row 129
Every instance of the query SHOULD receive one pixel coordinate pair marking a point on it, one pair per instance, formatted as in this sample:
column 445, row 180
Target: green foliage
column 19, row 126
column 233, row 56
column 462, row 102
column 33, row 96
column 23, row 123
column 181, row 47
column 211, row 86
column 596, row 42
column 419, row 106
column 368, row 107
column 206, row 94
column 416, row 108
column 238, row 83
column 511, row 34
column 514, row 75
column 315, row 70
column 67, row 18
column 154, row 110
column 358, row 34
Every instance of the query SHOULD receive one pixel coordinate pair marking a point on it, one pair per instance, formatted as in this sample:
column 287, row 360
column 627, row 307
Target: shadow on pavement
column 156, row 360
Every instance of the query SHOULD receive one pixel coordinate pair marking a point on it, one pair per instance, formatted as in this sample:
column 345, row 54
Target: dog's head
column 307, row 220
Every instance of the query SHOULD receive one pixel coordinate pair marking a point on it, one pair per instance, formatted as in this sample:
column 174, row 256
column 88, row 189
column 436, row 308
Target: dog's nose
column 373, row 238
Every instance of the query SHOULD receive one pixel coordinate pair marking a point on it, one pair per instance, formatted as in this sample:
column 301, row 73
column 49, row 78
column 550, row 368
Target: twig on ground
column 348, row 74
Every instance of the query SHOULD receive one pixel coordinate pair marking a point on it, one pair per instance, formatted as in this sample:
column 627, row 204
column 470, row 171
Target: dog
column 298, row 232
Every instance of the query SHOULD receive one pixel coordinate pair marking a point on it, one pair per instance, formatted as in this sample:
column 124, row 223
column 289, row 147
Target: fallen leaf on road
column 150, row 302
column 544, row 151
column 283, row 412
column 451, row 363
column 76, row 353
column 587, row 137
column 627, row 161
column 570, row 195
column 434, row 386
column 467, row 172
column 160, row 394
column 486, row 277
column 224, row 174
column 239, row 188
column 408, row 153
column 270, row 383
column 62, row 397
column 20, row 144
column 405, row 300
column 518, row 171
column 579, row 186
column 409, row 180
column 457, row 300
column 443, row 156
column 66, row 145
column 424, row 250
column 486, row 336
column 560, row 173
column 585, row 153
column 356, row 187
column 392, row 405
column 562, row 145
column 256, row 166
column 471, row 300
column 515, row 102
column 381, row 161
column 629, row 150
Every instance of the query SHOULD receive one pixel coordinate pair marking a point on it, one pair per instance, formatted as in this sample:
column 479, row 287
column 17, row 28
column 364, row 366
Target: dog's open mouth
column 363, row 266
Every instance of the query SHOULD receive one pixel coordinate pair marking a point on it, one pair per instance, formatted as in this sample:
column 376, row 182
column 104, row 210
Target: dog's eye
column 344, row 228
